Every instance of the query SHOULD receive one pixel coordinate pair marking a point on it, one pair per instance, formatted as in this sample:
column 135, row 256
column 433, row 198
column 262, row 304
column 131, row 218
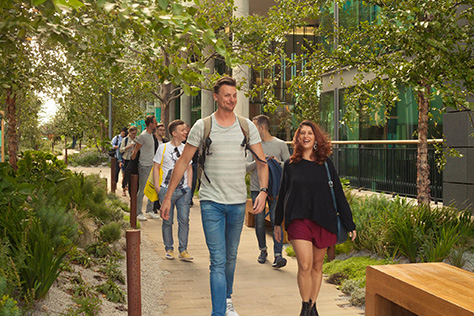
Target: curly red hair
column 321, row 153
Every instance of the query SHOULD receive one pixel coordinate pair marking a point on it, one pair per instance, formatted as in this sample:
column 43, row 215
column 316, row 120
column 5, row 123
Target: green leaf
column 38, row 2
column 163, row 4
column 220, row 47
column 67, row 5
column 186, row 89
column 177, row 8
column 172, row 70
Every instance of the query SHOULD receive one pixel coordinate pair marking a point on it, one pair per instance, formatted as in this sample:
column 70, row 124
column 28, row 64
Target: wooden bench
column 434, row 289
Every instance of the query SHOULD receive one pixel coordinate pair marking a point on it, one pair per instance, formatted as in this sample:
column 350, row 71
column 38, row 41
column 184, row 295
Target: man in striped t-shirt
column 224, row 196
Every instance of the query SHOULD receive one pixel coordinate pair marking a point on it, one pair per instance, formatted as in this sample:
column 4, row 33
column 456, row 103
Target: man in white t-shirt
column 146, row 145
column 223, row 197
column 166, row 157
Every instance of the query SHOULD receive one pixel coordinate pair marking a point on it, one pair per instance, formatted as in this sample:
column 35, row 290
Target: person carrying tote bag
column 306, row 204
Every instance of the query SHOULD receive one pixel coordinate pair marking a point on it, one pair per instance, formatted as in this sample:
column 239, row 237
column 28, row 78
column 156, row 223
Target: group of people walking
column 229, row 146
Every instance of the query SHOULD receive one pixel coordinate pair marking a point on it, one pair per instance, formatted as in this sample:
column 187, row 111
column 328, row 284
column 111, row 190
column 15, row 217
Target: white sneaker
column 153, row 215
column 142, row 218
column 230, row 311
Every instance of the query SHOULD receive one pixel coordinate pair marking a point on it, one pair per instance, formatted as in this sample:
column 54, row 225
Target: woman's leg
column 304, row 256
column 317, row 271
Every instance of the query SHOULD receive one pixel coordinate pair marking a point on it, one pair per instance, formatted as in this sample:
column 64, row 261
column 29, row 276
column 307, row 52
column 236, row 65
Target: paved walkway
column 258, row 288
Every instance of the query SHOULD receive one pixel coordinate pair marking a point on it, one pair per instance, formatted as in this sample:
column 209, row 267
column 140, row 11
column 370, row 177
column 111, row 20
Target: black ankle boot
column 306, row 309
column 314, row 311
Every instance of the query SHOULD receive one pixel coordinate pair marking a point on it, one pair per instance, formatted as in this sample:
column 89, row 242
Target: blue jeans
column 180, row 198
column 222, row 224
column 260, row 226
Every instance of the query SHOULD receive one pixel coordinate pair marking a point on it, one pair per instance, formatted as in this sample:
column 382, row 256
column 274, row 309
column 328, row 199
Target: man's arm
column 190, row 176
column 135, row 151
column 262, row 169
column 176, row 175
column 156, row 176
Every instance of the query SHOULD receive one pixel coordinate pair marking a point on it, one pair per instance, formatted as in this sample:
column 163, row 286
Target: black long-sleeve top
column 304, row 193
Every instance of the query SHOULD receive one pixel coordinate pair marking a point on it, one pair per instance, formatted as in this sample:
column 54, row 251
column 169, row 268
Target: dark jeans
column 117, row 171
column 126, row 176
column 260, row 226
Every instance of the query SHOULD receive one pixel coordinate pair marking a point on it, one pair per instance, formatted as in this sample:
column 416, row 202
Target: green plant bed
column 87, row 158
column 349, row 274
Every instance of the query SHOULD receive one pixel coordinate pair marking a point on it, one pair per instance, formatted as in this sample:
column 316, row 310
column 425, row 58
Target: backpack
column 112, row 151
column 274, row 178
column 206, row 142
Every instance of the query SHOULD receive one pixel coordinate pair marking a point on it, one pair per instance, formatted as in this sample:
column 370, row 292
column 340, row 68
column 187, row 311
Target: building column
column 241, row 73
column 172, row 111
column 207, row 101
column 185, row 110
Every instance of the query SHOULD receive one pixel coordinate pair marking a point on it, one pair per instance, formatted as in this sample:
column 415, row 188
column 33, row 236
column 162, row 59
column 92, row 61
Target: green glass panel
column 327, row 112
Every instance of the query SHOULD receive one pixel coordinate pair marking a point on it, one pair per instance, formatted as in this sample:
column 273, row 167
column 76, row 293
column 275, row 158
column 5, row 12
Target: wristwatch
column 264, row 190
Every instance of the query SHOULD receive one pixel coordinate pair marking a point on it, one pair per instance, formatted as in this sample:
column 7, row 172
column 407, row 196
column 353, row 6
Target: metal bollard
column 65, row 150
column 133, row 200
column 133, row 272
column 113, row 170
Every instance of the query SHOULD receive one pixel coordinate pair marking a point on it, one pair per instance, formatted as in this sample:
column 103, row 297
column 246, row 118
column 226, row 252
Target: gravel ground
column 59, row 300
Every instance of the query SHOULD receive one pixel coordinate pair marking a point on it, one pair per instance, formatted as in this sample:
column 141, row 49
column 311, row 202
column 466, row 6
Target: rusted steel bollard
column 113, row 169
column 133, row 200
column 133, row 273
column 65, row 150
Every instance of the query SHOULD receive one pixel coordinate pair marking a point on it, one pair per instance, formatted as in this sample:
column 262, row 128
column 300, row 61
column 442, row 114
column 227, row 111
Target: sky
column 49, row 109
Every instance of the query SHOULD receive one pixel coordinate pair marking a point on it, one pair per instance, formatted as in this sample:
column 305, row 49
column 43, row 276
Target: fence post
column 133, row 272
column 133, row 200
column 113, row 170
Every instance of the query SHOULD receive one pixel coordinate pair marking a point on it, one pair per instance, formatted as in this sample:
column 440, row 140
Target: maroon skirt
column 309, row 230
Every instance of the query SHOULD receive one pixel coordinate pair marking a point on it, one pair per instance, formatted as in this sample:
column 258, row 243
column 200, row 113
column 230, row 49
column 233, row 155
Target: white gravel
column 59, row 300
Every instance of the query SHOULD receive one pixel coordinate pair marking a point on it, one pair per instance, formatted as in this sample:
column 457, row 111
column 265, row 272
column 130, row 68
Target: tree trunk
column 165, row 102
column 423, row 169
column 10, row 102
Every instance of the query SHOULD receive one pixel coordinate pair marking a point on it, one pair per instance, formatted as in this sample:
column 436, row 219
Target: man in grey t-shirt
column 146, row 146
column 276, row 148
column 223, row 198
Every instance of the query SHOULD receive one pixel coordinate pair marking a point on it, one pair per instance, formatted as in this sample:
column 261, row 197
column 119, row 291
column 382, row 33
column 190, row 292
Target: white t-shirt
column 225, row 166
column 171, row 155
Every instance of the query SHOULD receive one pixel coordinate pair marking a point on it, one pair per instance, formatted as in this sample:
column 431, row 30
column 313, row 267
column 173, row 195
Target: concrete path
column 258, row 288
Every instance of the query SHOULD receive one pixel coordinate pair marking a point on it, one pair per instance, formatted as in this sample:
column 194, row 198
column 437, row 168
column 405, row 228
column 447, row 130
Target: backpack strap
column 244, row 126
column 204, row 147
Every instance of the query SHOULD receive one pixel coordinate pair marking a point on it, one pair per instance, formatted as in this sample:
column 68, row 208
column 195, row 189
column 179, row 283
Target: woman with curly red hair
column 306, row 204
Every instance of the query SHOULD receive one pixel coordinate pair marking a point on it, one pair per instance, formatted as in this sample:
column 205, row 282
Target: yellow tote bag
column 150, row 191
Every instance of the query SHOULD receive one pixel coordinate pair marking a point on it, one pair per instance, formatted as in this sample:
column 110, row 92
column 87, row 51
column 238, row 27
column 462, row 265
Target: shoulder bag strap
column 331, row 186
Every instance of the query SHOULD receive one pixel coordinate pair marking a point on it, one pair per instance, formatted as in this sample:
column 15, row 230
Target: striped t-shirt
column 225, row 166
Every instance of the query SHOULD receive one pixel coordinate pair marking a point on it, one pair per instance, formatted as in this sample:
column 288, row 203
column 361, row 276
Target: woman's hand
column 277, row 233
column 353, row 235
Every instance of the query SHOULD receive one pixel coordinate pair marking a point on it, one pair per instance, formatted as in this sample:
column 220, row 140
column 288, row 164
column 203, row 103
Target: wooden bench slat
column 424, row 289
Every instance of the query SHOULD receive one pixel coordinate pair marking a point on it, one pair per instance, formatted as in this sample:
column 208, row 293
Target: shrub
column 112, row 271
column 8, row 306
column 428, row 235
column 87, row 158
column 352, row 268
column 41, row 264
column 99, row 250
column 112, row 291
column 88, row 305
column 110, row 233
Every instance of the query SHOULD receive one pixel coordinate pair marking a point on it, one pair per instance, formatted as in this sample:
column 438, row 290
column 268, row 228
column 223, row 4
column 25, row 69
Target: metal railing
column 385, row 166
